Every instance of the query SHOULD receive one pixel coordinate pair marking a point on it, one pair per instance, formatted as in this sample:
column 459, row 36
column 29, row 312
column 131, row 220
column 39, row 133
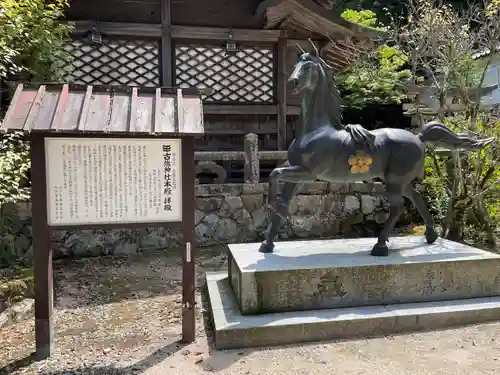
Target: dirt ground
column 121, row 316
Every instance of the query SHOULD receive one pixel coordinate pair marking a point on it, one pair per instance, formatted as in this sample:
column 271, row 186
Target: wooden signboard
column 111, row 181
column 104, row 158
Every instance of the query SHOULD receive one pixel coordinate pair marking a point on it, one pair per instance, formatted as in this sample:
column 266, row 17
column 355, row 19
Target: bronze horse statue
column 328, row 151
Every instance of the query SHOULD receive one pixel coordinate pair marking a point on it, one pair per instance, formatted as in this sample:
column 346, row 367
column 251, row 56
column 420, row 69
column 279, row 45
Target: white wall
column 492, row 77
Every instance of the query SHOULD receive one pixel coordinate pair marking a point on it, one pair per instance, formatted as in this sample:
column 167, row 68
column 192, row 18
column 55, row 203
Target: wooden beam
column 119, row 28
column 293, row 110
column 167, row 78
column 250, row 109
column 189, row 240
column 44, row 288
column 281, row 93
column 220, row 34
column 177, row 32
column 238, row 155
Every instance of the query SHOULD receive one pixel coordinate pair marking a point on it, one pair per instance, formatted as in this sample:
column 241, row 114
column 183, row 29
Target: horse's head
column 308, row 71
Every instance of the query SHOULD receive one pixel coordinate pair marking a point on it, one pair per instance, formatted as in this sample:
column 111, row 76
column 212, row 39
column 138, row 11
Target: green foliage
column 14, row 187
column 364, row 17
column 31, row 49
column 14, row 167
column 463, row 186
column 388, row 10
column 32, row 39
column 493, row 7
column 376, row 78
column 479, row 181
column 435, row 190
column 384, row 10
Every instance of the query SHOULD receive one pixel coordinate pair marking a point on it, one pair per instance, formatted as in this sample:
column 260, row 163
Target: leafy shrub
column 32, row 39
column 14, row 168
column 31, row 49
column 376, row 78
column 475, row 211
column 435, row 190
column 364, row 17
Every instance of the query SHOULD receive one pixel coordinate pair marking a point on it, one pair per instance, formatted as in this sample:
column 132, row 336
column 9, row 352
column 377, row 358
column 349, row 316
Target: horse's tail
column 439, row 135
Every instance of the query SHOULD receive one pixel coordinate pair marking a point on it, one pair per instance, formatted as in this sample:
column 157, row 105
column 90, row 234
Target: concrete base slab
column 234, row 330
column 325, row 274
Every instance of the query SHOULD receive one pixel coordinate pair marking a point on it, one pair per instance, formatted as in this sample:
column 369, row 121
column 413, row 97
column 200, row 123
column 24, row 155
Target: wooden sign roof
column 104, row 109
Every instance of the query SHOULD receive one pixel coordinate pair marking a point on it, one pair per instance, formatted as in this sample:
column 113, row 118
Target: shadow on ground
column 109, row 279
column 213, row 360
column 142, row 365
column 117, row 303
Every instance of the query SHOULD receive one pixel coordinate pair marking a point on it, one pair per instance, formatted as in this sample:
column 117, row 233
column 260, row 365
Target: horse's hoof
column 430, row 236
column 380, row 251
column 266, row 247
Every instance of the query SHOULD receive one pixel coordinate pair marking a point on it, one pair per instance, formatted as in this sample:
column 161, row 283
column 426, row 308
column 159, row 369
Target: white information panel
column 113, row 180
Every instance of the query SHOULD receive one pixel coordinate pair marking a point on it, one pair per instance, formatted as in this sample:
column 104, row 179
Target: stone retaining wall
column 225, row 213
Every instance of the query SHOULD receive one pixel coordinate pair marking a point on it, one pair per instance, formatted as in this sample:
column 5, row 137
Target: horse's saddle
column 363, row 138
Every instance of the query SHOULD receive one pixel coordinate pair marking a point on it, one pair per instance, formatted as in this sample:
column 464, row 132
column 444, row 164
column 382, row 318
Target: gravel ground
column 121, row 316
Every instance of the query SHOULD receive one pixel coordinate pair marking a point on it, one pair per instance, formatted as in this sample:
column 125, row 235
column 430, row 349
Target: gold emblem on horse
column 360, row 163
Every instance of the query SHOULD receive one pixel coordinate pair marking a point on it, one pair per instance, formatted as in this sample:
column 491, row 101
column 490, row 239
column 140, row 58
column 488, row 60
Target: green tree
column 32, row 39
column 440, row 43
column 364, row 17
column 32, row 43
column 375, row 78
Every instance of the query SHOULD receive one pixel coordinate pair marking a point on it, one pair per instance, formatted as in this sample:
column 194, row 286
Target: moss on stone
column 417, row 230
column 16, row 284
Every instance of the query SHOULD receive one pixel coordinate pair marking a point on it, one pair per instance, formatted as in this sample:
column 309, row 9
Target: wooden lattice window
column 246, row 76
column 115, row 62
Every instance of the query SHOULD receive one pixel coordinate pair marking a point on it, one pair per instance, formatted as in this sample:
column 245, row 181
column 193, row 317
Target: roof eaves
column 348, row 27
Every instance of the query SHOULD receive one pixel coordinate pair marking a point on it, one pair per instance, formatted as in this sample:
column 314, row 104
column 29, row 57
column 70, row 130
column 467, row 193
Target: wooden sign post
column 105, row 158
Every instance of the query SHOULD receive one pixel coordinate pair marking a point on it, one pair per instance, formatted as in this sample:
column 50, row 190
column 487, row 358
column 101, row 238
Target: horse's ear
column 315, row 51
column 300, row 51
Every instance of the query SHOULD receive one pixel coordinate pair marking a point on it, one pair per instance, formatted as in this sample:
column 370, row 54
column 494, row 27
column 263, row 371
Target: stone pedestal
column 313, row 290
column 310, row 275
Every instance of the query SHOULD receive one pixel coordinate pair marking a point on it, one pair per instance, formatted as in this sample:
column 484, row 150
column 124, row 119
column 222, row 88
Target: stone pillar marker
column 252, row 167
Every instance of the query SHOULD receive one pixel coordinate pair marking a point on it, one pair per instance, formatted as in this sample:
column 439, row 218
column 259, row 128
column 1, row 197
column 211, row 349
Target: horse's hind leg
column 289, row 190
column 414, row 195
column 395, row 196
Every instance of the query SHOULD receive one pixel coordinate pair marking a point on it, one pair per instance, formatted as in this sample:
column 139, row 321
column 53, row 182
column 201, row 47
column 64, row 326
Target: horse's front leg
column 289, row 190
column 292, row 176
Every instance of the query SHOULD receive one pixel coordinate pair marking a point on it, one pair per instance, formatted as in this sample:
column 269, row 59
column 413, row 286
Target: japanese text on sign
column 110, row 180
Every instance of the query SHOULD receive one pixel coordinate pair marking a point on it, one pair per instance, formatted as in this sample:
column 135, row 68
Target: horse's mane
column 361, row 136
column 335, row 107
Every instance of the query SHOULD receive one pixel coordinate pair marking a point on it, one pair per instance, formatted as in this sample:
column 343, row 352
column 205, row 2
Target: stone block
column 368, row 203
column 210, row 190
column 230, row 206
column 234, row 330
column 209, row 204
column 252, row 202
column 259, row 217
column 308, row 275
column 351, row 203
column 306, row 205
column 254, row 188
